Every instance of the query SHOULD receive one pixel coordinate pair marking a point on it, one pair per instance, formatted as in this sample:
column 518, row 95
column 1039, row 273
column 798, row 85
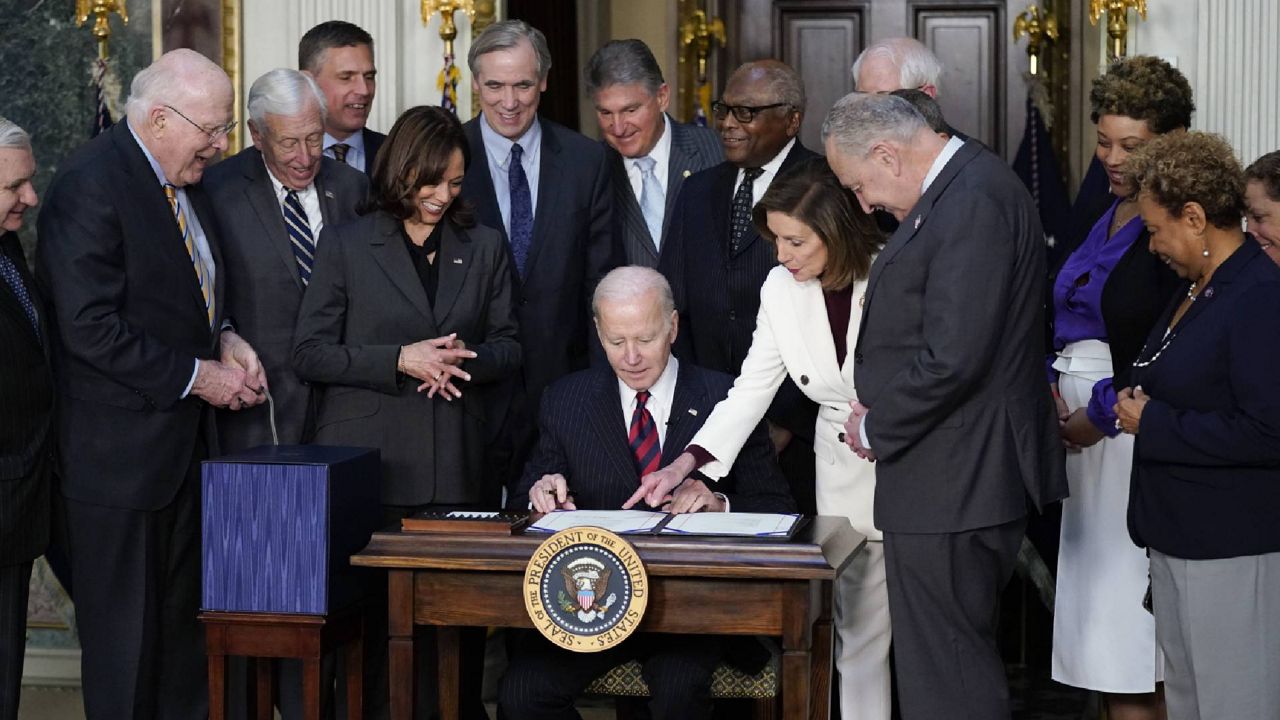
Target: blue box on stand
column 280, row 524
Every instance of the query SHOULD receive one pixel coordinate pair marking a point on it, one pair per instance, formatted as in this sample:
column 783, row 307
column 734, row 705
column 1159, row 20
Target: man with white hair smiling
column 129, row 254
column 271, row 201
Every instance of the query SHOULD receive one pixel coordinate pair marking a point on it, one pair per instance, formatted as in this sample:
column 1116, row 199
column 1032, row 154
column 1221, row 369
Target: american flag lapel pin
column 693, row 412
column 918, row 220
column 328, row 194
column 457, row 261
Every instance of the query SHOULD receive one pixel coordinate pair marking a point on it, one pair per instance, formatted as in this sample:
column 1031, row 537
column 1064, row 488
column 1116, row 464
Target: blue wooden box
column 280, row 524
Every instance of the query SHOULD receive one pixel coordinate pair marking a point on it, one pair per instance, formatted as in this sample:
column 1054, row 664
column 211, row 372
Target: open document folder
column 625, row 522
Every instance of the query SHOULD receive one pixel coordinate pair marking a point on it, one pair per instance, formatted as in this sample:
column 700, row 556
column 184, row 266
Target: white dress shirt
column 497, row 151
column 766, row 178
column 355, row 149
column 661, row 154
column 310, row 200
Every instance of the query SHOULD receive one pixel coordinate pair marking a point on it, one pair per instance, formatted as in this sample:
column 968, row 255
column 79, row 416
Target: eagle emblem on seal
column 585, row 580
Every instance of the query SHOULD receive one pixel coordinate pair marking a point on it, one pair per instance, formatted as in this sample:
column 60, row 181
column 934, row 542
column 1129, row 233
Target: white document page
column 619, row 521
column 731, row 523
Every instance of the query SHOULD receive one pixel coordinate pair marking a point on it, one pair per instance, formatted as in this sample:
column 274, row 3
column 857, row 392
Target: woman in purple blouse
column 1107, row 294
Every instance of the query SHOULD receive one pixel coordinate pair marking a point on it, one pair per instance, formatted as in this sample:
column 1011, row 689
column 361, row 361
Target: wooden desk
column 721, row 586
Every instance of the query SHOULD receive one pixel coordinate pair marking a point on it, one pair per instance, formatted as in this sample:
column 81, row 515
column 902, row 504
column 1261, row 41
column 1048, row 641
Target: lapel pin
column 687, row 173
column 918, row 219
column 693, row 412
column 1208, row 292
column 328, row 194
column 457, row 261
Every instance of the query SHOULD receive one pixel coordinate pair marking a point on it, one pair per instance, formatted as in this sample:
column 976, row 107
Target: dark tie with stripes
column 644, row 437
column 300, row 237
column 340, row 151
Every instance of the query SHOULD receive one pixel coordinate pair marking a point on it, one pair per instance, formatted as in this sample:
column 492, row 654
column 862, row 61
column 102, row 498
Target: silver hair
column 784, row 84
column 505, row 35
column 633, row 282
column 283, row 92
column 169, row 79
column 623, row 62
column 860, row 120
column 12, row 136
column 917, row 65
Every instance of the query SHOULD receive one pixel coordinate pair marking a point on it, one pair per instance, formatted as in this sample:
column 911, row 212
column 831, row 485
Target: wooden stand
column 301, row 637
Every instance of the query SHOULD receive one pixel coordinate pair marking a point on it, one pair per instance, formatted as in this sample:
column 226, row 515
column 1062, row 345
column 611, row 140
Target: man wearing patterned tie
column 129, row 259
column 271, row 201
column 26, row 396
column 650, row 154
column 339, row 55
column 548, row 188
column 600, row 430
column 716, row 261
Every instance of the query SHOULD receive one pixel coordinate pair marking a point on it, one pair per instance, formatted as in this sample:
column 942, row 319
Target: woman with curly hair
column 1204, row 410
column 1262, row 202
column 1105, row 296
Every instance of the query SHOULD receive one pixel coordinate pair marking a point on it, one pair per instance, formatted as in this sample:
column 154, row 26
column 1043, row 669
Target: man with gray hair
column 271, row 201
column 953, row 404
column 26, row 423
column 897, row 63
column 651, row 153
column 601, row 430
column 130, row 258
column 547, row 187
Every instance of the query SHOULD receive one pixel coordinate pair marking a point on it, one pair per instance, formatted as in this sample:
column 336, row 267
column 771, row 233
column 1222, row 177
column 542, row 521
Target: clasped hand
column 437, row 362
column 1130, row 402
column 853, row 431
column 235, row 381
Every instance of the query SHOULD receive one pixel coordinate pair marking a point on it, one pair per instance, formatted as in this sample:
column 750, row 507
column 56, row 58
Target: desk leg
column 311, row 689
column 217, row 687
column 823, row 640
column 400, row 673
column 264, row 708
column 447, row 649
column 355, row 675
column 797, row 661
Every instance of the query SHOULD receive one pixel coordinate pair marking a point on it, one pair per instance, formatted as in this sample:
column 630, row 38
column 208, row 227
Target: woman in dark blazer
column 1205, row 414
column 407, row 317
column 1106, row 294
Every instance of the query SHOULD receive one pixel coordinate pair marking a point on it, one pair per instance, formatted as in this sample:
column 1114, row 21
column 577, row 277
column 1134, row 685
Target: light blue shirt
column 355, row 149
column 497, row 150
column 198, row 238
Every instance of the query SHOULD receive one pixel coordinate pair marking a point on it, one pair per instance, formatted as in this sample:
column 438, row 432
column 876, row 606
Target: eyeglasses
column 213, row 134
column 742, row 113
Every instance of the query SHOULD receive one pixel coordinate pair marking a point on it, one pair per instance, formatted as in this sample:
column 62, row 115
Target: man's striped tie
column 202, row 273
column 644, row 437
column 300, row 237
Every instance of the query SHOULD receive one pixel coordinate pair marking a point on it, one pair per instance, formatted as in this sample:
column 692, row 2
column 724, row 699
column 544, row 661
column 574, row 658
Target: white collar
column 948, row 151
column 663, row 389
column 661, row 149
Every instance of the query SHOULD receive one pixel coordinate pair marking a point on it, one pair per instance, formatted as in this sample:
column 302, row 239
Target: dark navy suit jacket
column 1206, row 477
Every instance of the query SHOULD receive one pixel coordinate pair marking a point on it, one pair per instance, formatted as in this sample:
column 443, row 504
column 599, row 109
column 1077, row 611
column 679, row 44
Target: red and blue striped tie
column 644, row 437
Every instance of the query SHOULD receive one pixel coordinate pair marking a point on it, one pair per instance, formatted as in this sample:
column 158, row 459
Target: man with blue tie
column 548, row 188
column 339, row 55
column 650, row 154
column 129, row 257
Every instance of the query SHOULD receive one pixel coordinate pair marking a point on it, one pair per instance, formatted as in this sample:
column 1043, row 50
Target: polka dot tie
column 742, row 204
column 9, row 272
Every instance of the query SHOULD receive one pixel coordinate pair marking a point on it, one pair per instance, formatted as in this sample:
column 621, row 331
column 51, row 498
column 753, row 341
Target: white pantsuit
column 793, row 337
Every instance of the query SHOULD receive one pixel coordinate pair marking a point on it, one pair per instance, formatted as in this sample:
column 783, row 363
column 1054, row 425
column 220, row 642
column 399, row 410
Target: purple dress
column 1077, row 302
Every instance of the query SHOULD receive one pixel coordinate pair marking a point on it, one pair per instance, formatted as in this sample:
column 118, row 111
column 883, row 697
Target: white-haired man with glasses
column 129, row 256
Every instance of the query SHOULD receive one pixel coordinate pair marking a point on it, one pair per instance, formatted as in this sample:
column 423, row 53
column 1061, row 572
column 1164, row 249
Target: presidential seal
column 585, row 589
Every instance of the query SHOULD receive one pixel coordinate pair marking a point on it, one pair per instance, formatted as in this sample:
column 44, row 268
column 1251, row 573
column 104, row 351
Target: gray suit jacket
column 264, row 289
column 950, row 357
column 693, row 148
column 366, row 300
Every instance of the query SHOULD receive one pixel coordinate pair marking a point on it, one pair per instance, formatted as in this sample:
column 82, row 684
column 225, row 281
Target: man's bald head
column 895, row 64
column 180, row 106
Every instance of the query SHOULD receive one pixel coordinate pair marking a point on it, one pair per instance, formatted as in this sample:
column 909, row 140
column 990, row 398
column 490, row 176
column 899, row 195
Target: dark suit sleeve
column 81, row 259
column 671, row 265
column 319, row 354
column 603, row 251
column 548, row 456
column 499, row 354
column 1250, row 433
column 757, row 481
column 964, row 306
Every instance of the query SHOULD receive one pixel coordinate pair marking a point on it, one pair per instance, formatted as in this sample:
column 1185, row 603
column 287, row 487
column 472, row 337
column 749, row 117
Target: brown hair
column 417, row 153
column 1266, row 170
column 811, row 193
column 1144, row 88
column 1192, row 167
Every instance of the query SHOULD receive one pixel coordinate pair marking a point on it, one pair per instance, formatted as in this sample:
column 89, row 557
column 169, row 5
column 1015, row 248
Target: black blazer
column 264, row 289
column 129, row 323
column 571, row 249
column 1133, row 296
column 718, row 295
column 693, row 149
column 583, row 436
column 372, row 143
column 26, row 422
column 364, row 302
column 949, row 357
column 1206, row 475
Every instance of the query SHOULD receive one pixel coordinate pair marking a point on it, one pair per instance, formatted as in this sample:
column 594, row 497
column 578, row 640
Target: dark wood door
column 981, row 91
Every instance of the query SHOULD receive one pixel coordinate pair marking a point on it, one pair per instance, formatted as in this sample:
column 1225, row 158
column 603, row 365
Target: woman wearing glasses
column 1105, row 297
column 1204, row 412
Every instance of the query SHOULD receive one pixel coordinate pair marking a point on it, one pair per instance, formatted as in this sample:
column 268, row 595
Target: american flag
column 102, row 115
column 447, row 84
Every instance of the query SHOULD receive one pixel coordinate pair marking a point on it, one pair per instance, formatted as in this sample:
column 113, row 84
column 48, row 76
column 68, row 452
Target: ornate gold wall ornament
column 486, row 14
column 233, row 66
column 100, row 10
column 1117, row 21
column 697, row 35
column 1040, row 28
column 446, row 8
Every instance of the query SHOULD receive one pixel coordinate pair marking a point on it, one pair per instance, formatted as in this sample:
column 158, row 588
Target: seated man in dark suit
column 600, row 431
